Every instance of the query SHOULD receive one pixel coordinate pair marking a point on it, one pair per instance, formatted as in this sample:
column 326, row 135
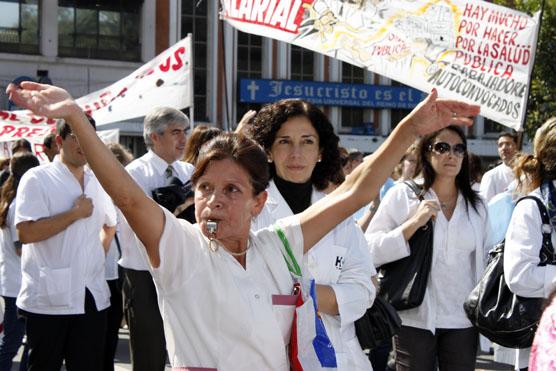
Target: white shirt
column 521, row 252
column 10, row 262
column 496, row 181
column 340, row 259
column 459, row 255
column 217, row 314
column 57, row 270
column 148, row 171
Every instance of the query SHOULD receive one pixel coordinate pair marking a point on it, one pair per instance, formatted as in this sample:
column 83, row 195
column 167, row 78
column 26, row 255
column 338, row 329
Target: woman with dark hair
column 220, row 287
column 10, row 259
column 303, row 153
column 437, row 332
column 536, row 175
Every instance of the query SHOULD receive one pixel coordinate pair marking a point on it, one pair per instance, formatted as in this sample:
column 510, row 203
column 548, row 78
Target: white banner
column 470, row 50
column 166, row 80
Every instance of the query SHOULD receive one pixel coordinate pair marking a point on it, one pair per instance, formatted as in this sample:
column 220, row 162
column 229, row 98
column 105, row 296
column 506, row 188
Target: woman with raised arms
column 217, row 286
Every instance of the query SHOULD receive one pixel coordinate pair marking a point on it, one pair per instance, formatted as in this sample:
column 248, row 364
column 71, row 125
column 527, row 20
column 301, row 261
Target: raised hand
column 433, row 114
column 43, row 100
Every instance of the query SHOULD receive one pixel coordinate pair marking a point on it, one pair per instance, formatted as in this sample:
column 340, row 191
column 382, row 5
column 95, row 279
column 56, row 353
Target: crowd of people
column 192, row 243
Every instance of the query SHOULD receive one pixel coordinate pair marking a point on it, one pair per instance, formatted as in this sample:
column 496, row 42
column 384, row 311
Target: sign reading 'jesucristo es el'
column 330, row 93
column 467, row 49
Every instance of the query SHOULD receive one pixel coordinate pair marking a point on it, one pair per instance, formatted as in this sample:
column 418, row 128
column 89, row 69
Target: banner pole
column 191, row 85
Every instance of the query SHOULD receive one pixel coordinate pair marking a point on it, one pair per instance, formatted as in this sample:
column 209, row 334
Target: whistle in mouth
column 212, row 226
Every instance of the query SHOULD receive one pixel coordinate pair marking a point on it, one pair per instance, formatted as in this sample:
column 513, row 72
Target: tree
column 542, row 93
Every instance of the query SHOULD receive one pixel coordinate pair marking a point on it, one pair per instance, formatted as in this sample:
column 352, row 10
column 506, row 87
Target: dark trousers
column 77, row 338
column 450, row 349
column 146, row 333
column 14, row 329
column 114, row 317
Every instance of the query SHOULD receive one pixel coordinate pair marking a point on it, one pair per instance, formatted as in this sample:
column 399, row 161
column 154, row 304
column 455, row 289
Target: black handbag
column 500, row 315
column 172, row 195
column 379, row 323
column 403, row 282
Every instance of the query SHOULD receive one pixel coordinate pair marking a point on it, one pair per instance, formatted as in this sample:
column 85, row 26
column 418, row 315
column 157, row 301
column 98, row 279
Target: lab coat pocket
column 56, row 285
column 283, row 307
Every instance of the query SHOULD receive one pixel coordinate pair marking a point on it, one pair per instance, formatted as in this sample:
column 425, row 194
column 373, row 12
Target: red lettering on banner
column 20, row 131
column 165, row 66
column 6, row 129
column 284, row 15
column 145, row 73
column 475, row 11
column 39, row 131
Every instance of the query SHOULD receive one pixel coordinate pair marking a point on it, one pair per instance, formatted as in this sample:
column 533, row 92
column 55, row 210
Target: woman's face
column 447, row 161
column 295, row 150
column 224, row 194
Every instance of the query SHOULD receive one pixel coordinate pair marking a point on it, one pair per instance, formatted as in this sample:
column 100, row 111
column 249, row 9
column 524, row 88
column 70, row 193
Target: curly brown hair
column 266, row 123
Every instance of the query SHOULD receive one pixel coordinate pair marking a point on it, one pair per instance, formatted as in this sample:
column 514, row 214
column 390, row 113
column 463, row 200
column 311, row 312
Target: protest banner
column 471, row 50
column 167, row 80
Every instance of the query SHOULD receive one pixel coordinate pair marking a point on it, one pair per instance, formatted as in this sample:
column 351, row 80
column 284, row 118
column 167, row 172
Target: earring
column 319, row 160
column 269, row 160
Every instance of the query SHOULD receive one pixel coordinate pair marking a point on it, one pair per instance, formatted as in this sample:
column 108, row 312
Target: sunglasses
column 443, row 147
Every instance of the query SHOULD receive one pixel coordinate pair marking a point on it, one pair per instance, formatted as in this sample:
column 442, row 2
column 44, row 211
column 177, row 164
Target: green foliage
column 542, row 94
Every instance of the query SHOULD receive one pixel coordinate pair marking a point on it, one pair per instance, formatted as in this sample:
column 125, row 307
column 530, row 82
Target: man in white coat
column 65, row 221
column 498, row 179
column 164, row 135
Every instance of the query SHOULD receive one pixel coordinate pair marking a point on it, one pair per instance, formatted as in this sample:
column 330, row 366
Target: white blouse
column 459, row 255
column 340, row 259
column 217, row 314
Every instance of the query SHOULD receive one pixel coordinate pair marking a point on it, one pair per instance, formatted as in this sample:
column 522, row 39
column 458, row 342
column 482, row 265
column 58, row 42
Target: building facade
column 86, row 45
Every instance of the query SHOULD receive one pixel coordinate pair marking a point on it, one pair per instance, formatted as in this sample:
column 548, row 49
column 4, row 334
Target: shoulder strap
column 118, row 246
column 546, row 253
column 417, row 189
column 287, row 253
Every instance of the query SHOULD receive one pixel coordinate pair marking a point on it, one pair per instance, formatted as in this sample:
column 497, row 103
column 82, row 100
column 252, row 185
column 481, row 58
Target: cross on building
column 253, row 87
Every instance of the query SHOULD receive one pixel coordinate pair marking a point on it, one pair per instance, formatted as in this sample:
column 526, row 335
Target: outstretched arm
column 143, row 214
column 363, row 184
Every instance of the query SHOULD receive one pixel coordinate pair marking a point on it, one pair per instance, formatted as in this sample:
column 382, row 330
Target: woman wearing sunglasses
column 437, row 332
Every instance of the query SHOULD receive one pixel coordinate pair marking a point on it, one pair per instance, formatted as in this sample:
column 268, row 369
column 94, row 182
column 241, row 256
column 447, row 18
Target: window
column 99, row 29
column 492, row 127
column 353, row 118
column 19, row 26
column 194, row 21
column 249, row 65
column 302, row 63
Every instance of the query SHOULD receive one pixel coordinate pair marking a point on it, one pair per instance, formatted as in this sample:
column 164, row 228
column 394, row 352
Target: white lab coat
column 521, row 256
column 218, row 314
column 341, row 260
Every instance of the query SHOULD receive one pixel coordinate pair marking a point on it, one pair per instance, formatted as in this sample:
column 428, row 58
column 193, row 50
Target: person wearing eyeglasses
column 437, row 332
